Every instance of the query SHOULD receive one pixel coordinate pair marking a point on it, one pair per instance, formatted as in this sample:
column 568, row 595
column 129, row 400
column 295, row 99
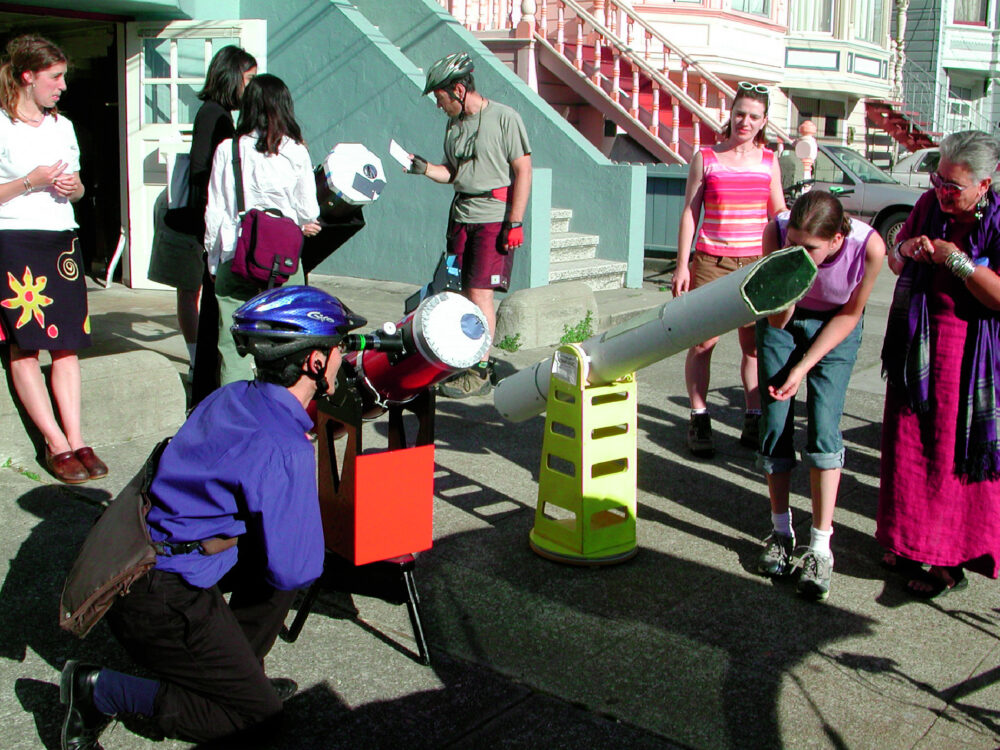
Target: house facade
column 951, row 62
column 823, row 57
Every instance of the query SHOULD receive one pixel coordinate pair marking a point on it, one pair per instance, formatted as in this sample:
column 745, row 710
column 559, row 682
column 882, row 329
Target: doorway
column 91, row 103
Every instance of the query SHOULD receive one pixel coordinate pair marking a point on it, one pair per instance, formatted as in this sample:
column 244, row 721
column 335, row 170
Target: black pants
column 206, row 357
column 207, row 654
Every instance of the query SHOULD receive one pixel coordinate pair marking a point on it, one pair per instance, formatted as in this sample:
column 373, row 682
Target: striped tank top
column 735, row 206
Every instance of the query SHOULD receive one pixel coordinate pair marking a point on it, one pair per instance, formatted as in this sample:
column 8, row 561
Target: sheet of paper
column 400, row 154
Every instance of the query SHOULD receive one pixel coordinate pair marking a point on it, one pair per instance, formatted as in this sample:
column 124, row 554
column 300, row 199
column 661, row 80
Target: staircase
column 573, row 257
column 904, row 126
column 618, row 63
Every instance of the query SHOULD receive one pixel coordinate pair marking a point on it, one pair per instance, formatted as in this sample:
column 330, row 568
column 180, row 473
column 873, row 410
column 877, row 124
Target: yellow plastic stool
column 587, row 482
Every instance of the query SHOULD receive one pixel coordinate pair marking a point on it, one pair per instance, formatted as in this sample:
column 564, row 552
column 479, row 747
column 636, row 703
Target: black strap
column 169, row 549
column 151, row 465
column 238, row 174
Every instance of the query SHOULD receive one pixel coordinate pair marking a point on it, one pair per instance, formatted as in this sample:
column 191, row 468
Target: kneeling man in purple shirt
column 240, row 469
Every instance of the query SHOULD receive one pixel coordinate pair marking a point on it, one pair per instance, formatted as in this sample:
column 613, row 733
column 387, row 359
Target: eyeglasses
column 948, row 188
column 759, row 88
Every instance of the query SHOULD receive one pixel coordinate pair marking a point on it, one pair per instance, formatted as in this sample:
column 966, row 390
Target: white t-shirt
column 283, row 181
column 24, row 147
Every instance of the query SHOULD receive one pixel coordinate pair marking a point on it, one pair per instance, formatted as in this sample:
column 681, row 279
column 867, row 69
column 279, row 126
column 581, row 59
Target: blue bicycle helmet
column 289, row 319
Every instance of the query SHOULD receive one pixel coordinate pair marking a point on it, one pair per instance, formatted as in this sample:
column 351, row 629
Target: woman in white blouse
column 43, row 291
column 277, row 174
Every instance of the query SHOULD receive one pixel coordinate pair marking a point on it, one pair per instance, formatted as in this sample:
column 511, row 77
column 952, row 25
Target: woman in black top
column 228, row 74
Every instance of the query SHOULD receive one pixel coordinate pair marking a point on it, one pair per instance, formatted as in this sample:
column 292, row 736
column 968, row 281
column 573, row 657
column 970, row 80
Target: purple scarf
column 906, row 350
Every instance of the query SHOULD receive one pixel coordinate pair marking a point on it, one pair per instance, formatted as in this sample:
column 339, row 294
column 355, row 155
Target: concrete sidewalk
column 683, row 646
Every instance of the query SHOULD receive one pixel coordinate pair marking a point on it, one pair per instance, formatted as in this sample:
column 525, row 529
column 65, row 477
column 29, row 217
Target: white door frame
column 149, row 148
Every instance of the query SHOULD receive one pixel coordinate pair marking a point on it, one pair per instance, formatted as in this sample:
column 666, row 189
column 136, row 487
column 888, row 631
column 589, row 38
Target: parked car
column 866, row 191
column 915, row 169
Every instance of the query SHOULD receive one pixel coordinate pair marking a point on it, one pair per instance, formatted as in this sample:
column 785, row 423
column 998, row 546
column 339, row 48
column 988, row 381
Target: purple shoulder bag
column 268, row 245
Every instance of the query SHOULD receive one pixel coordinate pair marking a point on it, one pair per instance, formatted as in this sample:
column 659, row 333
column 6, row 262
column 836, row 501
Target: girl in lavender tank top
column 815, row 340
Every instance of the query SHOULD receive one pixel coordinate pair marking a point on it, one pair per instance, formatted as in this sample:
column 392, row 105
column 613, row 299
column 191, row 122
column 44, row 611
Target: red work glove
column 513, row 235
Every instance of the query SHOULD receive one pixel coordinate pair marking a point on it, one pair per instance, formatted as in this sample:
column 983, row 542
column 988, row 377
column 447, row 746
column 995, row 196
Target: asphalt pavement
column 683, row 646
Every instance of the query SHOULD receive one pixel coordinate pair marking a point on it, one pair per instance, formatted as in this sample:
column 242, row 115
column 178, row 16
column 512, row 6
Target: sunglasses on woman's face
column 948, row 188
column 747, row 86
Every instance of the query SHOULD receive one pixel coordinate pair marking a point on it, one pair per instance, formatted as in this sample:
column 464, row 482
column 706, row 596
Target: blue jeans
column 778, row 350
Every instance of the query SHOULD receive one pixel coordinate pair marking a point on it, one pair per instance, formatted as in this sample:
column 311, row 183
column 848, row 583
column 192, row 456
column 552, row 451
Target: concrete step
column 595, row 273
column 565, row 246
column 560, row 220
column 620, row 305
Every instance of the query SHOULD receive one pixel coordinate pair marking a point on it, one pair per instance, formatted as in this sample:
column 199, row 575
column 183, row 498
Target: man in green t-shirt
column 487, row 158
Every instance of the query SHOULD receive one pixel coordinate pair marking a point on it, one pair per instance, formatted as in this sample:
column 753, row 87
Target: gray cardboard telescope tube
column 766, row 287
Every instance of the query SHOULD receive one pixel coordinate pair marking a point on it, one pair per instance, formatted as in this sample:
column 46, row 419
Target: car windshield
column 864, row 169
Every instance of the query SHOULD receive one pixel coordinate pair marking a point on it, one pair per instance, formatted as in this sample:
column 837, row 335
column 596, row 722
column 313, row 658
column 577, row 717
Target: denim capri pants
column 778, row 350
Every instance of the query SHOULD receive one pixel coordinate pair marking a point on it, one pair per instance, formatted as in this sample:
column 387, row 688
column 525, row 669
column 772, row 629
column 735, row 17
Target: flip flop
column 904, row 566
column 940, row 588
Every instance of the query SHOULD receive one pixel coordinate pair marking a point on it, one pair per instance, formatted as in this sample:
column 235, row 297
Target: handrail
column 616, row 105
column 932, row 95
column 715, row 80
column 704, row 115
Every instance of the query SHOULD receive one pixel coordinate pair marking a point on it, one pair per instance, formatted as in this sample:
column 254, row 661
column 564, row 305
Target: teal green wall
column 144, row 9
column 600, row 193
column 350, row 84
column 354, row 75
column 211, row 10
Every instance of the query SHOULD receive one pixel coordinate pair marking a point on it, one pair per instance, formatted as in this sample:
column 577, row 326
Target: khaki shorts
column 707, row 268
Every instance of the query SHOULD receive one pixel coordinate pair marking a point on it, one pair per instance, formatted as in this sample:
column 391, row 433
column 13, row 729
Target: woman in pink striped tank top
column 737, row 184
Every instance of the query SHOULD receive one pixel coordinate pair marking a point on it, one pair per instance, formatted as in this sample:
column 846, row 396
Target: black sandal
column 939, row 586
column 904, row 566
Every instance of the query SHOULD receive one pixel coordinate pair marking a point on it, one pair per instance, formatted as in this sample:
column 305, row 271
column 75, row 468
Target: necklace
column 34, row 120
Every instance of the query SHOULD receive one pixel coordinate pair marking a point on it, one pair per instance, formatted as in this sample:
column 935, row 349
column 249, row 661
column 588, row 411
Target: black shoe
column 83, row 723
column 700, row 441
column 284, row 687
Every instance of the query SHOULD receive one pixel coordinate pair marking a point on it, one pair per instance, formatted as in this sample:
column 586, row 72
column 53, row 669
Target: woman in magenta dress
column 738, row 184
column 939, row 501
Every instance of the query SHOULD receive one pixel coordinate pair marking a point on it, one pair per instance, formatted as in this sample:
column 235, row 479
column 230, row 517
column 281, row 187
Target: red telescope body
column 445, row 334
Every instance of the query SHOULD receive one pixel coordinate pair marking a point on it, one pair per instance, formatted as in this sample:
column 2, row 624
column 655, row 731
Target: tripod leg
column 412, row 608
column 290, row 634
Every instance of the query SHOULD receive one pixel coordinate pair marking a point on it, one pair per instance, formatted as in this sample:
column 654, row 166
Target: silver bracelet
column 27, row 185
column 896, row 250
column 961, row 265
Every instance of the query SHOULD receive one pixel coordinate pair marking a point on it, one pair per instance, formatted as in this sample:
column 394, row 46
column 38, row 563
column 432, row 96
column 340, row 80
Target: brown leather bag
column 116, row 553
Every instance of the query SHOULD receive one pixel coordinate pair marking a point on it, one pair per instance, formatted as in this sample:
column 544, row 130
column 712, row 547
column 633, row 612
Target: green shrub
column 510, row 343
column 580, row 332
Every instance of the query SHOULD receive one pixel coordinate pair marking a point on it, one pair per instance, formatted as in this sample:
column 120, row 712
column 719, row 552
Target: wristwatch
column 513, row 224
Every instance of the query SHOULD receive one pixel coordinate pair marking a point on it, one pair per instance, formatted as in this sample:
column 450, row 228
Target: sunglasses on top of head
column 756, row 87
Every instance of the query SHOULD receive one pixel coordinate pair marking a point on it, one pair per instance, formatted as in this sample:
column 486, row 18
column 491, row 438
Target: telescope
column 763, row 288
column 348, row 179
column 377, row 507
column 447, row 333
